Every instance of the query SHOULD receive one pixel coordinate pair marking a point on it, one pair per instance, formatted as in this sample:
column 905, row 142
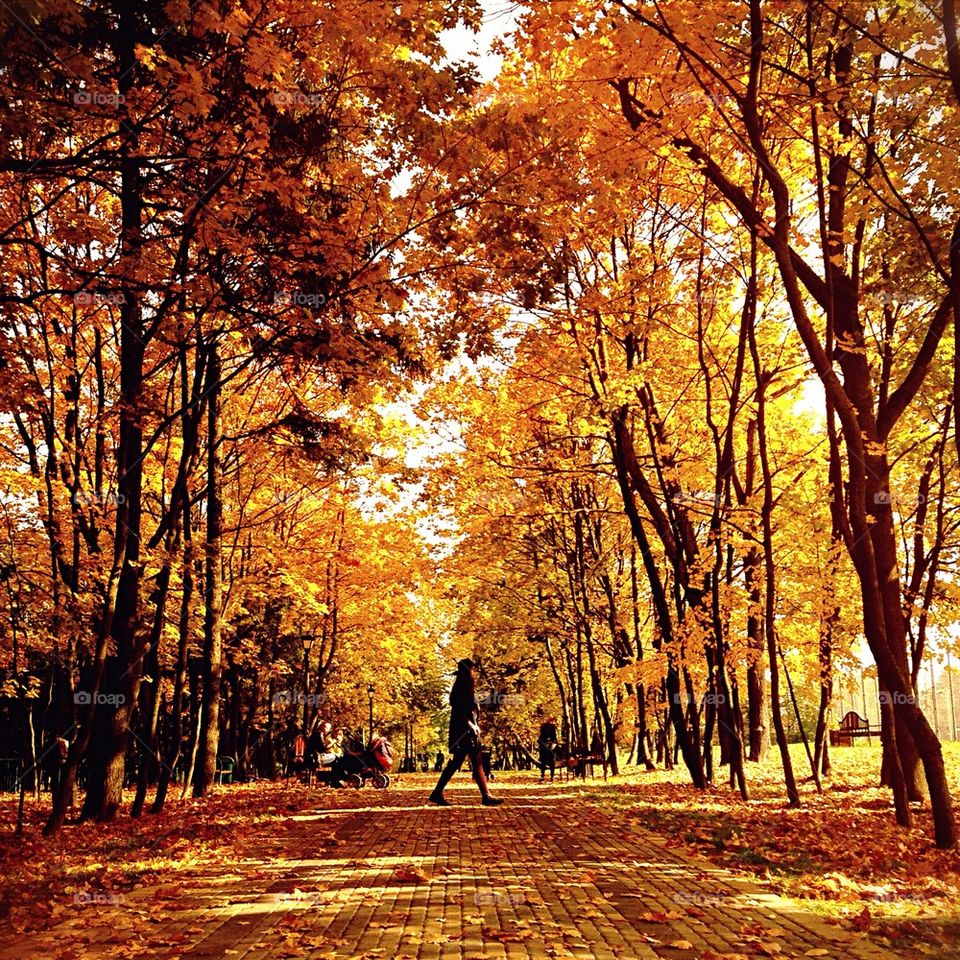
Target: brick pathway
column 384, row 875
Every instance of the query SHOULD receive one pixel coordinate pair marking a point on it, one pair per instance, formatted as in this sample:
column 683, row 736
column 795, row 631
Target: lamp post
column 307, row 642
column 407, row 748
column 371, row 690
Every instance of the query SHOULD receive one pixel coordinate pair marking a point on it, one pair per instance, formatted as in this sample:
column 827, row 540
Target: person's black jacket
column 315, row 746
column 463, row 711
column 548, row 736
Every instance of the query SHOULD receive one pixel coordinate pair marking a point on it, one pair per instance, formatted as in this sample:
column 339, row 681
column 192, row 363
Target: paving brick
column 519, row 882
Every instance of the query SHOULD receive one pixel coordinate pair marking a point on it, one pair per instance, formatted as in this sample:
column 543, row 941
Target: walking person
column 546, row 747
column 464, row 739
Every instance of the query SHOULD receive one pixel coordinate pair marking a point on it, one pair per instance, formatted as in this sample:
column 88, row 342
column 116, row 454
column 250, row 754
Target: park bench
column 577, row 764
column 11, row 770
column 851, row 726
column 225, row 767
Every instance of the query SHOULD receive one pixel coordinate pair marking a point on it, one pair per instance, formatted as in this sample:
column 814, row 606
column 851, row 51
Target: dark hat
column 465, row 664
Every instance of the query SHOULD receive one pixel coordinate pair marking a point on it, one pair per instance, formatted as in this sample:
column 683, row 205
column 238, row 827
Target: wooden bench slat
column 852, row 725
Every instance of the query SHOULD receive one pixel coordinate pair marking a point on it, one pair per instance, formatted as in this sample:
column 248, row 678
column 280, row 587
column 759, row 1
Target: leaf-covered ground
column 91, row 863
column 841, row 852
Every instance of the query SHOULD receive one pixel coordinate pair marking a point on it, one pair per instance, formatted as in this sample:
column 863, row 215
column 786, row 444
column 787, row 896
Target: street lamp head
column 307, row 642
column 371, row 690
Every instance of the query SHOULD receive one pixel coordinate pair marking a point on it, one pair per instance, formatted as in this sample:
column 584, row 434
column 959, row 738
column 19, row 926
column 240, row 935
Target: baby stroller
column 360, row 763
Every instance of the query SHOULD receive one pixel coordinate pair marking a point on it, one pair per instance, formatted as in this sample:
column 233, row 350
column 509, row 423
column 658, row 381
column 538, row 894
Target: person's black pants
column 547, row 759
column 468, row 748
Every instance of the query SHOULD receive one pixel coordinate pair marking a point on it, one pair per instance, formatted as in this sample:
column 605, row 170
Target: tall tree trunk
column 196, row 717
column 821, row 747
column 709, row 724
column 107, row 767
column 565, row 711
column 270, row 761
column 770, row 616
column 891, row 773
column 689, row 750
column 643, row 755
column 814, row 768
column 952, row 45
column 756, row 688
column 596, row 686
column 151, row 715
column 179, row 523
column 883, row 537
column 175, row 746
column 821, row 752
column 212, row 624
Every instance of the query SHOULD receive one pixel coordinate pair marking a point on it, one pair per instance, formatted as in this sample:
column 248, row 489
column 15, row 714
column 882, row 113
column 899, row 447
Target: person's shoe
column 439, row 799
column 491, row 802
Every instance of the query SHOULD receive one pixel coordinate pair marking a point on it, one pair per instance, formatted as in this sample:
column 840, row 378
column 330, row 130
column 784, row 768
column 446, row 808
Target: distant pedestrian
column 464, row 739
column 316, row 747
column 546, row 747
column 54, row 766
column 438, row 765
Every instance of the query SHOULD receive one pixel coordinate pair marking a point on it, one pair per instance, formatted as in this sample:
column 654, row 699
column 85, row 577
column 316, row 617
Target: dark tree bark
column 212, row 625
column 643, row 755
column 118, row 677
column 149, row 747
column 174, row 749
column 770, row 602
column 688, row 749
column 866, row 425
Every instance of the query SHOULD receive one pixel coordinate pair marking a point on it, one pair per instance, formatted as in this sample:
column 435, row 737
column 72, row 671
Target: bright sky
column 498, row 20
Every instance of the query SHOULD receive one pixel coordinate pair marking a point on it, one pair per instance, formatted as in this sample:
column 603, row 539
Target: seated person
column 324, row 746
column 332, row 744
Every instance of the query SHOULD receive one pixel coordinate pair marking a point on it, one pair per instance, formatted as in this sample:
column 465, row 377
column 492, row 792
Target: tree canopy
column 632, row 373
